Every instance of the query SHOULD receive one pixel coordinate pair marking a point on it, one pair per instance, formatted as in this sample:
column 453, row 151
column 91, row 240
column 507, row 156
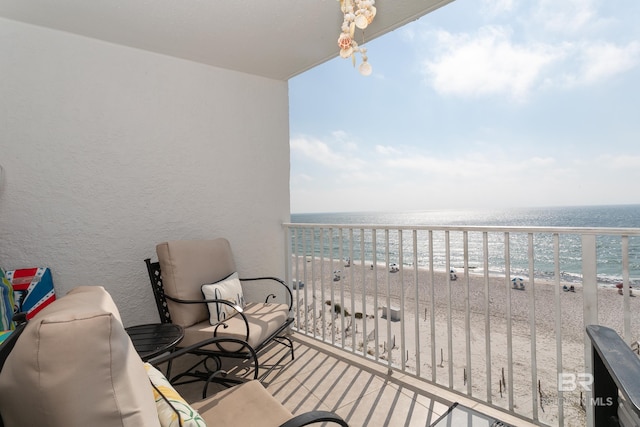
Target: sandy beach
column 427, row 325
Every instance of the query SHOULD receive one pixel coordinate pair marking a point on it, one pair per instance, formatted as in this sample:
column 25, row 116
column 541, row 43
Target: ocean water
column 609, row 248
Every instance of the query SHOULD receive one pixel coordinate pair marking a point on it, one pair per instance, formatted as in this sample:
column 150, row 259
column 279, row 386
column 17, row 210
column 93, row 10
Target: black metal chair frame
column 279, row 336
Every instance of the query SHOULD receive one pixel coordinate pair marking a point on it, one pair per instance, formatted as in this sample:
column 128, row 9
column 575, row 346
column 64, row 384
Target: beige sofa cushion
column 188, row 264
column 264, row 319
column 229, row 407
column 74, row 366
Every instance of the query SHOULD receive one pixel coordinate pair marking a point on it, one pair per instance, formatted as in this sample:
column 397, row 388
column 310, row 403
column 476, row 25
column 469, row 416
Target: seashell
column 371, row 14
column 365, row 69
column 345, row 53
column 344, row 41
column 361, row 21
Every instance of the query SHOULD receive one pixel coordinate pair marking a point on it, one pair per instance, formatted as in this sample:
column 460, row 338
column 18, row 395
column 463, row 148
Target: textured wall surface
column 109, row 150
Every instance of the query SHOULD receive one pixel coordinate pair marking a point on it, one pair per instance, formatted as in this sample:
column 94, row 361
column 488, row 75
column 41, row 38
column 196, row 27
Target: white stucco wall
column 109, row 150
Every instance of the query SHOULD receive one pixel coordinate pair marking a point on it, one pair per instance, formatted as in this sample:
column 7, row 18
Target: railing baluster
column 487, row 313
column 374, row 244
column 322, row 292
column 433, row 309
column 590, row 308
column 417, row 300
column 313, row 281
column 341, row 285
column 305, row 292
column 626, row 291
column 403, row 346
column 467, row 307
column 297, row 274
column 352, row 292
column 389, row 345
column 447, row 254
column 556, row 263
column 507, row 272
column 532, row 328
column 365, row 343
column 333, row 296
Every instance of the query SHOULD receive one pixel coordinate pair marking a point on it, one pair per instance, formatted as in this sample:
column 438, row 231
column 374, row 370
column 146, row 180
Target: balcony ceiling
column 272, row 38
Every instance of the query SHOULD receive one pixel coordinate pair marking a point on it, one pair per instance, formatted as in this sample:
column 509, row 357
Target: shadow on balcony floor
column 360, row 391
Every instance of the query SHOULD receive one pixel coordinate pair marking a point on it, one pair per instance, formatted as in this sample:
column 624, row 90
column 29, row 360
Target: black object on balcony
column 616, row 372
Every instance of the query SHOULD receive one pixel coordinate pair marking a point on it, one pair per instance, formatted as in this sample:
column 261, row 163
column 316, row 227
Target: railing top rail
column 477, row 228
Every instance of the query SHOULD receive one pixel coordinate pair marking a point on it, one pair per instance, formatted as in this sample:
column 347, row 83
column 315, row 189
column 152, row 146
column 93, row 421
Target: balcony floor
column 361, row 391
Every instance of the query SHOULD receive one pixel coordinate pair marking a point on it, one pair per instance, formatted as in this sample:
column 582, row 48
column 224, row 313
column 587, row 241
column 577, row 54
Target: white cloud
column 494, row 177
column 316, row 150
column 542, row 161
column 496, row 7
column 488, row 63
column 566, row 16
column 337, row 154
column 386, row 150
column 344, row 140
column 603, row 60
column 614, row 163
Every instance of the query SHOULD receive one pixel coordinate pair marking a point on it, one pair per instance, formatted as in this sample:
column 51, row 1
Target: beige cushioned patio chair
column 75, row 366
column 183, row 267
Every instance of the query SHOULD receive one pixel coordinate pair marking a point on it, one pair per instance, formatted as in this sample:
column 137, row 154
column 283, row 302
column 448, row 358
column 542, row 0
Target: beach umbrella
column 518, row 283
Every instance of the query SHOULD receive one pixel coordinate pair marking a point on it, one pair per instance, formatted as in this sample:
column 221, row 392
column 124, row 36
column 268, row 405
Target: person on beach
column 620, row 286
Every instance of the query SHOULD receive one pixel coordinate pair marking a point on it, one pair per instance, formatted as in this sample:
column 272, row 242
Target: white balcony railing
column 508, row 329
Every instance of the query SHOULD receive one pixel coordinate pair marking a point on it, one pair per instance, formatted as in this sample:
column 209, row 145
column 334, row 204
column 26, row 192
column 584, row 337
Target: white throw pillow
column 228, row 289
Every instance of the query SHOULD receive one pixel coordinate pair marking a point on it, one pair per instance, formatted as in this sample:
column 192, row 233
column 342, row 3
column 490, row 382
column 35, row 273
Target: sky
column 479, row 104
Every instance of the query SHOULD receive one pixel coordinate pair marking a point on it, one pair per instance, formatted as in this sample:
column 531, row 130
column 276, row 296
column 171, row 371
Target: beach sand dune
column 419, row 340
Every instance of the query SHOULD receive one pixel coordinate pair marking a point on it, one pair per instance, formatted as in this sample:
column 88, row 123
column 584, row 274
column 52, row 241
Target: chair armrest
column 274, row 284
column 314, row 417
column 621, row 364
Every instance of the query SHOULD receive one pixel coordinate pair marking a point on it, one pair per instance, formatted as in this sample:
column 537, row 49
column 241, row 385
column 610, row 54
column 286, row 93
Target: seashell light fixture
column 357, row 13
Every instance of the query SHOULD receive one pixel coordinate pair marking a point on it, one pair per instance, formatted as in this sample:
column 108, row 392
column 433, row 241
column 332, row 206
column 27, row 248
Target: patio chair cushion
column 186, row 265
column 264, row 320
column 166, row 414
column 229, row 407
column 74, row 365
column 228, row 289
